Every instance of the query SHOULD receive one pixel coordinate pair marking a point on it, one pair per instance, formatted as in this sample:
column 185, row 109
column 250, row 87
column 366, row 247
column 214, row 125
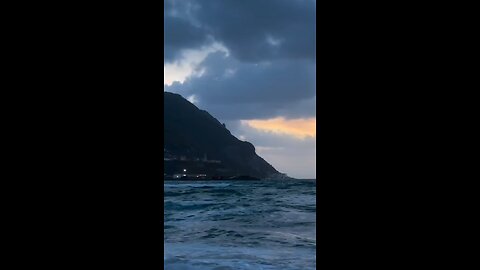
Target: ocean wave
column 236, row 225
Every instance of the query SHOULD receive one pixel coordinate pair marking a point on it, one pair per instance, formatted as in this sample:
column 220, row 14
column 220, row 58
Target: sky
column 252, row 65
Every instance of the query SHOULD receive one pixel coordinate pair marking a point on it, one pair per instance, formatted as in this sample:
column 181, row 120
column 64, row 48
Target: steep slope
column 193, row 133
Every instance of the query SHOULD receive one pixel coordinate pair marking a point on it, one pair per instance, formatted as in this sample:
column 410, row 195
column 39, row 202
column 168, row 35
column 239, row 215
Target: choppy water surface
column 240, row 225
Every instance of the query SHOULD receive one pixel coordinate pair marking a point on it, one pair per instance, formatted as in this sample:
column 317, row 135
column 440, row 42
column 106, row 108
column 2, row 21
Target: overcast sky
column 252, row 65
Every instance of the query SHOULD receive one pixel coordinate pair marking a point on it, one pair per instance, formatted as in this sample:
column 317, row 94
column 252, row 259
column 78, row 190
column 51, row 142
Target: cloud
column 266, row 67
column 251, row 30
column 235, row 90
column 180, row 32
column 262, row 30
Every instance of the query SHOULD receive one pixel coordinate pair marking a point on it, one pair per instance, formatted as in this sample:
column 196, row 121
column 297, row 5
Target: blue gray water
column 223, row 225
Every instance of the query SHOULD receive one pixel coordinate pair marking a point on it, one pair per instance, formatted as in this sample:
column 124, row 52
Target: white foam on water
column 199, row 185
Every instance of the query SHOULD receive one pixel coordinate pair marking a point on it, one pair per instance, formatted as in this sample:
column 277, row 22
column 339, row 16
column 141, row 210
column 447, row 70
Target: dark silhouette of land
column 198, row 146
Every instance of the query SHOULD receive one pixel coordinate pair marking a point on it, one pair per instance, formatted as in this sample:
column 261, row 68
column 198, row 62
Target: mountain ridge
column 198, row 143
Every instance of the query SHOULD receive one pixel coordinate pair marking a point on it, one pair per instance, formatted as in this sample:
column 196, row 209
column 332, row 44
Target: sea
column 220, row 225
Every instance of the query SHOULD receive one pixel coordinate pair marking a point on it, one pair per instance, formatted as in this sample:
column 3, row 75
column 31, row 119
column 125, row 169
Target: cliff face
column 194, row 134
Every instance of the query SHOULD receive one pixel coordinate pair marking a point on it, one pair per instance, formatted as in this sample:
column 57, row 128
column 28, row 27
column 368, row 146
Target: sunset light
column 299, row 128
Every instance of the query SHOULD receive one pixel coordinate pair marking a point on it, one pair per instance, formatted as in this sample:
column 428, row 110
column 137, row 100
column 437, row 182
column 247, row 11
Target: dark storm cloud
column 251, row 30
column 180, row 31
column 231, row 89
column 270, row 70
column 191, row 37
column 261, row 30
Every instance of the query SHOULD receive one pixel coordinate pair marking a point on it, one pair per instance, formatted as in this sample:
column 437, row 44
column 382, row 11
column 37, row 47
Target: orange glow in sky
column 299, row 128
